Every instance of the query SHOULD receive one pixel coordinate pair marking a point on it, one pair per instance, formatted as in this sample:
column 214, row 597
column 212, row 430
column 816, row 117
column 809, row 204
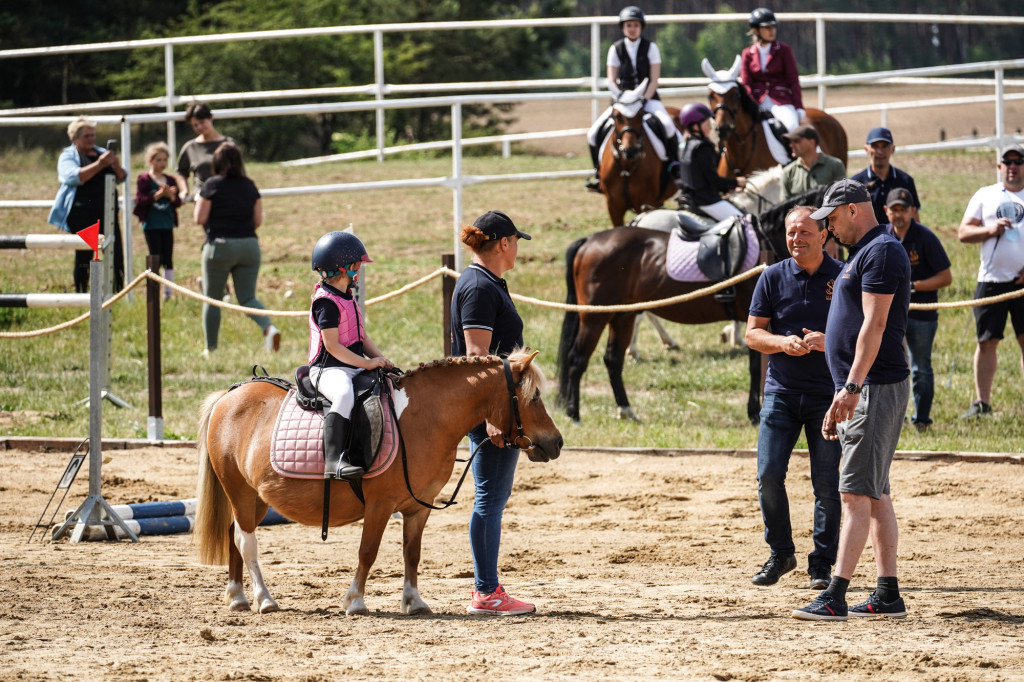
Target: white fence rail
column 380, row 89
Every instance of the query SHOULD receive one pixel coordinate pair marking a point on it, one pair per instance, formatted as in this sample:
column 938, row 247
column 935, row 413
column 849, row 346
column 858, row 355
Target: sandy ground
column 639, row 566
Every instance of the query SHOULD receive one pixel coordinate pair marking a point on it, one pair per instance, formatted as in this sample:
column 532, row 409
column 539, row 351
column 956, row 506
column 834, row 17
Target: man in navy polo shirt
column 864, row 350
column 880, row 177
column 787, row 321
column 929, row 272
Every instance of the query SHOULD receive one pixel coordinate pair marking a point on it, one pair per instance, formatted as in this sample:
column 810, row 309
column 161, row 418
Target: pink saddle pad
column 681, row 257
column 297, row 447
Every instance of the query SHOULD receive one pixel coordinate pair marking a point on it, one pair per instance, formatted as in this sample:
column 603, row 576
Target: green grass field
column 692, row 398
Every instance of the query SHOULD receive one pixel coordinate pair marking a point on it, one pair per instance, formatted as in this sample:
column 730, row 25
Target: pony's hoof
column 268, row 605
column 627, row 413
column 357, row 608
column 414, row 606
column 239, row 604
column 422, row 610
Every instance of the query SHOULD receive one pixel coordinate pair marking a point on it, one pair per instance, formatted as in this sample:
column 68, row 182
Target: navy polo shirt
column 879, row 189
column 927, row 258
column 880, row 266
column 794, row 301
column 481, row 301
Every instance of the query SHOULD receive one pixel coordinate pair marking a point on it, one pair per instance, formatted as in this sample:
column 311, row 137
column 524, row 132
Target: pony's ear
column 529, row 358
column 734, row 70
column 708, row 70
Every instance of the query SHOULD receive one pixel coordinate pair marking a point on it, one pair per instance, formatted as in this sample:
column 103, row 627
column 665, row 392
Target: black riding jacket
column 698, row 173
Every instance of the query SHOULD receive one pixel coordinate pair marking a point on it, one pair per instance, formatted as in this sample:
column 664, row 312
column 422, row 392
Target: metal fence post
column 172, row 138
column 819, row 39
column 457, row 179
column 595, row 66
column 378, row 74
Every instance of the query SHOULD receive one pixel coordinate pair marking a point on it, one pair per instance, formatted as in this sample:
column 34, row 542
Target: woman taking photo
column 230, row 209
column 485, row 322
column 768, row 71
column 79, row 202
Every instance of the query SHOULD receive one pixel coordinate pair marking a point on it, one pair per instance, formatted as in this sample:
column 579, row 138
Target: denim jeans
column 782, row 418
column 920, row 337
column 494, row 470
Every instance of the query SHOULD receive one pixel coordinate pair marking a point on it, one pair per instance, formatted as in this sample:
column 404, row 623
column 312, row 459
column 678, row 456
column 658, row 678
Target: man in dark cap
column 811, row 167
column 994, row 219
column 864, row 350
column 880, row 177
column 929, row 272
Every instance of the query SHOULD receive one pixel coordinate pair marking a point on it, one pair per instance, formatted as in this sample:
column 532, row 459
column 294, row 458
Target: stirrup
column 349, row 472
column 594, row 184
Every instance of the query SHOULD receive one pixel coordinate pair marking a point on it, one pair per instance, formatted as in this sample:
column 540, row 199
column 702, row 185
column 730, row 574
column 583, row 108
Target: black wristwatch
column 851, row 387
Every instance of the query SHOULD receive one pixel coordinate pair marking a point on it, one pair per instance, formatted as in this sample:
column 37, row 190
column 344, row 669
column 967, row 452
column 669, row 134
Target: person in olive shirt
column 811, row 167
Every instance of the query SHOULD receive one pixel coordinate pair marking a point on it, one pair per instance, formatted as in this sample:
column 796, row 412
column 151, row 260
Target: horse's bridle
column 515, row 423
column 620, row 153
column 513, row 418
column 727, row 130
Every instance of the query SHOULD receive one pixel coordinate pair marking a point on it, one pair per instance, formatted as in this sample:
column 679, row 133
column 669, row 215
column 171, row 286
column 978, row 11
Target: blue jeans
column 494, row 470
column 782, row 418
column 920, row 337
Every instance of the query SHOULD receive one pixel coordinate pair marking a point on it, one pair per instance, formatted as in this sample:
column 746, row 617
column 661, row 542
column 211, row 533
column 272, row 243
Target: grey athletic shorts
column 869, row 439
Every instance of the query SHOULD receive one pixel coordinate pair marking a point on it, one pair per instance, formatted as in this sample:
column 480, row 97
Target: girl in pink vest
column 338, row 345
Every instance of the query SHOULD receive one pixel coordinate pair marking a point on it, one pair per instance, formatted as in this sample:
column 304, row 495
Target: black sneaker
column 820, row 578
column 773, row 569
column 978, row 408
column 825, row 607
column 873, row 606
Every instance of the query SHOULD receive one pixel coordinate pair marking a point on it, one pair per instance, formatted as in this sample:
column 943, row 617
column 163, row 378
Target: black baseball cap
column 495, row 225
column 880, row 135
column 841, row 193
column 900, row 196
column 806, row 132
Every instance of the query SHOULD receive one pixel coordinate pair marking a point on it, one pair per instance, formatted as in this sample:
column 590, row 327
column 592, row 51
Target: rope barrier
column 448, row 272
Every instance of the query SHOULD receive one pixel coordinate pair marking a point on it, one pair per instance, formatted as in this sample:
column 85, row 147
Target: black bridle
column 515, row 424
column 634, row 152
column 727, row 130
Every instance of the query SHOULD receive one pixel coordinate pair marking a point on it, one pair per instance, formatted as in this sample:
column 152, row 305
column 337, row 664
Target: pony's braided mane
column 532, row 380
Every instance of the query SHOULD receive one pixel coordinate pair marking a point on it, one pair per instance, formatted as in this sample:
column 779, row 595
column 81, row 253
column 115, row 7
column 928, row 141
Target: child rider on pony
column 339, row 347
column 630, row 61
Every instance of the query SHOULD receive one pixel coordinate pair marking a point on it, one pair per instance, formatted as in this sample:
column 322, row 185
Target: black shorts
column 990, row 320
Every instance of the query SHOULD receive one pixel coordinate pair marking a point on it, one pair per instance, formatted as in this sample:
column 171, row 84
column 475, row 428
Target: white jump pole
column 95, row 511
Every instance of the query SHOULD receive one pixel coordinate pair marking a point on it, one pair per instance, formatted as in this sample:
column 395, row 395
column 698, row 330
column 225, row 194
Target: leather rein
column 731, row 130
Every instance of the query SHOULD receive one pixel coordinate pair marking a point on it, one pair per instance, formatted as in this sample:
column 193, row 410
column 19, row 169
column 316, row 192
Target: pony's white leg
column 234, row 596
column 666, row 339
column 353, row 602
column 634, row 350
column 732, row 334
column 412, row 603
column 246, row 543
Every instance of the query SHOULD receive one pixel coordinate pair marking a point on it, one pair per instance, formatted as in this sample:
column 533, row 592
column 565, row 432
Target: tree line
column 419, row 57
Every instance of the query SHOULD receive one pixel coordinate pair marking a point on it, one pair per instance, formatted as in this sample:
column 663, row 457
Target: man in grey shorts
column 864, row 349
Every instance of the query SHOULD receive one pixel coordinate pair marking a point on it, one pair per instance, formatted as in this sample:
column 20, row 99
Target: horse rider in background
column 768, row 71
column 630, row 60
column 701, row 185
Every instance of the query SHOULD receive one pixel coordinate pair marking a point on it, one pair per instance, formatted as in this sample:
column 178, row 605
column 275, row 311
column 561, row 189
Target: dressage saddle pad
column 683, row 265
column 297, row 447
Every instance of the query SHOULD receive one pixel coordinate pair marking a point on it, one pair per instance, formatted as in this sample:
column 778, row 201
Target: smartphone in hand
column 112, row 146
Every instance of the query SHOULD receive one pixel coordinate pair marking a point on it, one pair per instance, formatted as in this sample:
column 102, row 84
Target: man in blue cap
column 881, row 177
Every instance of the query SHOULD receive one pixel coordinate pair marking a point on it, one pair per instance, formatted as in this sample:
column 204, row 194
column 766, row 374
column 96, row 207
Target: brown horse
column 626, row 265
column 632, row 175
column 741, row 134
column 437, row 404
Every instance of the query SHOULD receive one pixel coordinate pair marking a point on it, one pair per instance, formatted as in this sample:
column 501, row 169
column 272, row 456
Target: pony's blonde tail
column 211, row 532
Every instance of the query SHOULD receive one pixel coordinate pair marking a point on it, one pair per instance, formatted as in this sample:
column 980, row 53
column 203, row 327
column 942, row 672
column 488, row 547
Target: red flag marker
column 91, row 236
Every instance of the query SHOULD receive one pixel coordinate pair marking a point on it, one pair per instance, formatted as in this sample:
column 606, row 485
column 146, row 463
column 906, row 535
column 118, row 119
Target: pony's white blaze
column 246, row 543
column 401, row 399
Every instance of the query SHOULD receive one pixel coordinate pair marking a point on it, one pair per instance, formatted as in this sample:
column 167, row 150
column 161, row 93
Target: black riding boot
column 337, row 432
column 672, row 152
column 594, row 181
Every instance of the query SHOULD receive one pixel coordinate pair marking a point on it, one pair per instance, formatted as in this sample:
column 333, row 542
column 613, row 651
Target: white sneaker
column 272, row 338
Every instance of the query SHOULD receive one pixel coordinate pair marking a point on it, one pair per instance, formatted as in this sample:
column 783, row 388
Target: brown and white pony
column 436, row 405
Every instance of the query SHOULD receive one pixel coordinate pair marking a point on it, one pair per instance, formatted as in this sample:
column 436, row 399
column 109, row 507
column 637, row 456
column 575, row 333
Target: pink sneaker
column 498, row 603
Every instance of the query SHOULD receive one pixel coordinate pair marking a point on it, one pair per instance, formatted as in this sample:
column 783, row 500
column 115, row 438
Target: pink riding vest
column 350, row 326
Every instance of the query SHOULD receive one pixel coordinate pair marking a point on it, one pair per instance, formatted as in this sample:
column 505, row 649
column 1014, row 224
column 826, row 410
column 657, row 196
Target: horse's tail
column 571, row 322
column 211, row 531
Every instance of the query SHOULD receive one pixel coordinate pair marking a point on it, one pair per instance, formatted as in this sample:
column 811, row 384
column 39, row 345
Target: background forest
column 419, row 57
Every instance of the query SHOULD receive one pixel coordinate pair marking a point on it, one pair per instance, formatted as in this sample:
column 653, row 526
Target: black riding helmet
column 335, row 251
column 762, row 16
column 632, row 13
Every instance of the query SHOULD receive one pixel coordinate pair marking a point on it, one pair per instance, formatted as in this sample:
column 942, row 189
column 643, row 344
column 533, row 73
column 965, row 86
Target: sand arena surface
column 639, row 566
